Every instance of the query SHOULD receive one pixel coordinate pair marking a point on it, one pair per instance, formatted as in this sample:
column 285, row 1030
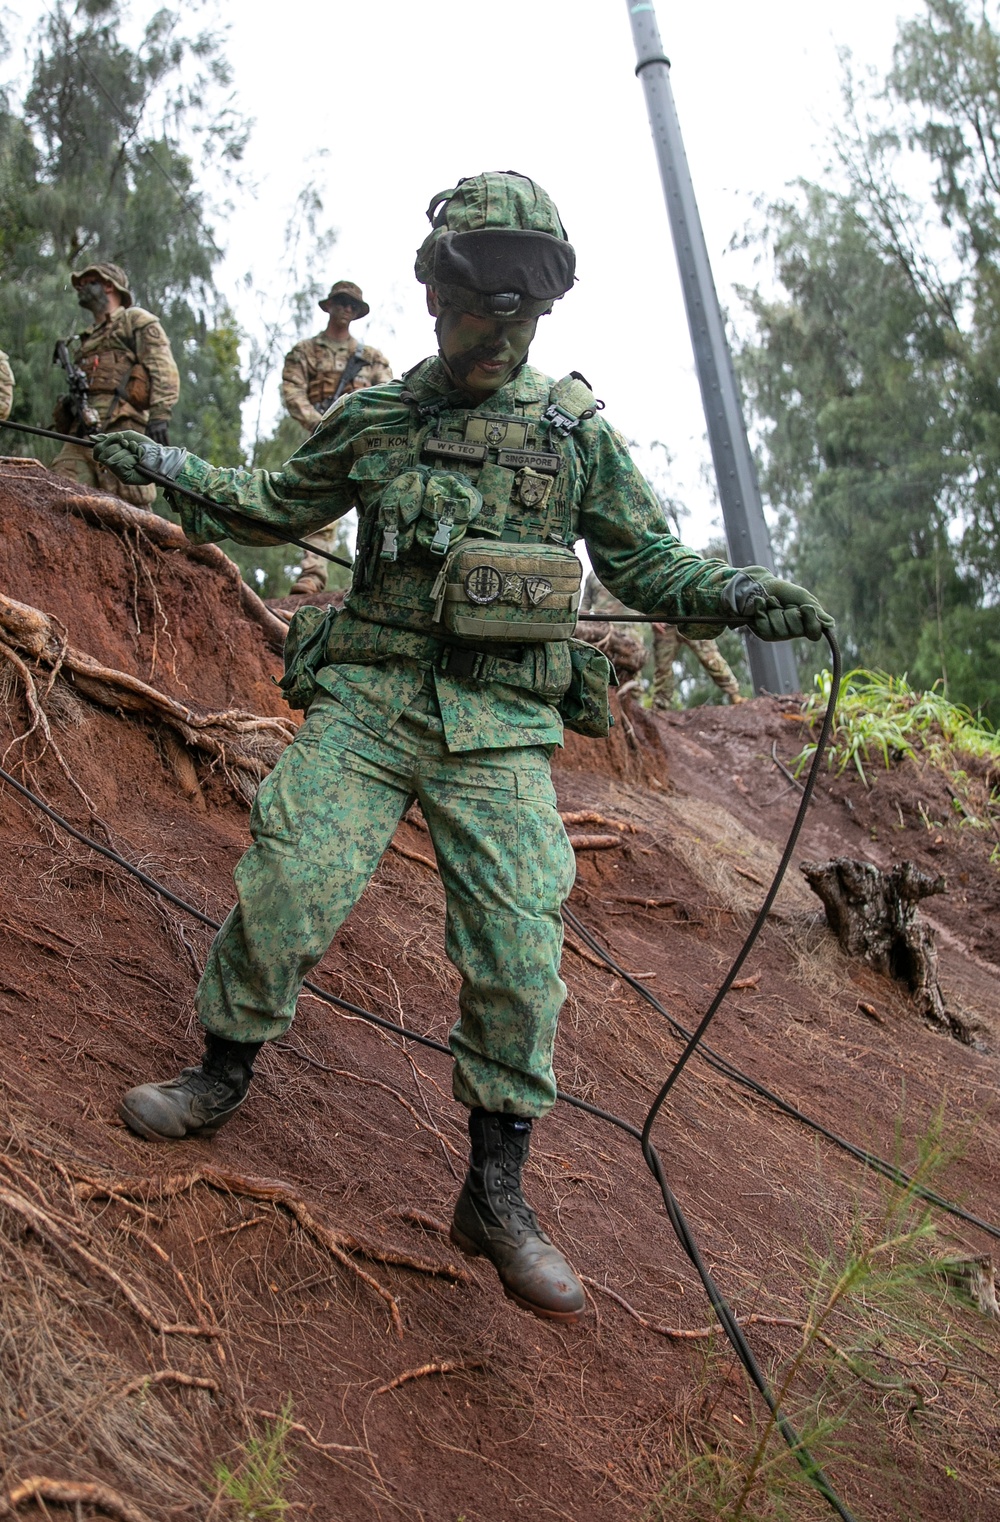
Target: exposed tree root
column 424, row 861
column 422, row 1219
column 111, row 512
column 595, row 842
column 62, row 1235
column 39, row 719
column 590, row 816
column 73, row 1493
column 327, row 1449
column 247, row 743
column 168, row 1377
column 424, row 1369
column 338, row 1244
column 372, row 1083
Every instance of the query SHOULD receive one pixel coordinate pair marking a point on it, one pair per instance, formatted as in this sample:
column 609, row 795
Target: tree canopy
column 873, row 372
column 106, row 157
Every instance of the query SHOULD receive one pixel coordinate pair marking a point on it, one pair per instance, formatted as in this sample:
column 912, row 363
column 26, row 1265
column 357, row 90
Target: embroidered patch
column 483, row 585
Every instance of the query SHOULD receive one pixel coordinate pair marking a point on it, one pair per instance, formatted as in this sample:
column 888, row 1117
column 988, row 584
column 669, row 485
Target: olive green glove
column 125, row 453
column 775, row 609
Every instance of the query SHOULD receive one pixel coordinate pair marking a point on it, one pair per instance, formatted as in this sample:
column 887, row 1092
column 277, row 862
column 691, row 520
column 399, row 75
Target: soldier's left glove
column 158, row 429
column 775, row 609
column 125, row 453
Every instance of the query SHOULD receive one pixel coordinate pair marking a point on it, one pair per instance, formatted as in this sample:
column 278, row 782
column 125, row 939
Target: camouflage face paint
column 92, row 295
column 483, row 353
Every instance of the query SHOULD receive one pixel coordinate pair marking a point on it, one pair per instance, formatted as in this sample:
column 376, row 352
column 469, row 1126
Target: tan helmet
column 351, row 291
column 112, row 273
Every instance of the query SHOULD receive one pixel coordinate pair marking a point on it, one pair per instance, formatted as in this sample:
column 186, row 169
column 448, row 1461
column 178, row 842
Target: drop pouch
column 305, row 653
column 585, row 707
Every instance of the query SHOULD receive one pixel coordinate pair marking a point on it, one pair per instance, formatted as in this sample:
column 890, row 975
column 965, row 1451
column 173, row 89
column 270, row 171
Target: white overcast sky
column 407, row 97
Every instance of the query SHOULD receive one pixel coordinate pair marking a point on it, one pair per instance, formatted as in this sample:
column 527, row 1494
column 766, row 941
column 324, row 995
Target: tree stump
column 874, row 916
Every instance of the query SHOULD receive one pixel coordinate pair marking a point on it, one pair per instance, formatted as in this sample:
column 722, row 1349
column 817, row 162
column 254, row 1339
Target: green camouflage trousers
column 320, row 825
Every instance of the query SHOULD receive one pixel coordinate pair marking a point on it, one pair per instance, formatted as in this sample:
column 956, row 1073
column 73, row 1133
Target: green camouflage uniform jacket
column 367, row 440
column 312, row 374
column 6, row 386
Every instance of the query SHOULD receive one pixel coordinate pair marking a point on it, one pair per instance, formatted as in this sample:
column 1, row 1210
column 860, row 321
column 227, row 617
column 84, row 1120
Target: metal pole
column 771, row 666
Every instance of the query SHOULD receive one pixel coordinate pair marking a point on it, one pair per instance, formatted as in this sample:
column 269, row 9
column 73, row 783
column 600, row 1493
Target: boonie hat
column 346, row 288
column 112, row 273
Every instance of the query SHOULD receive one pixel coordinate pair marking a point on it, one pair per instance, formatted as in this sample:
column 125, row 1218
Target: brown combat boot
column 308, row 584
column 494, row 1220
column 200, row 1100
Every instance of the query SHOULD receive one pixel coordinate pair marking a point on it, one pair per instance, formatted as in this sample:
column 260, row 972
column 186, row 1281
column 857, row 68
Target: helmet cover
column 497, row 247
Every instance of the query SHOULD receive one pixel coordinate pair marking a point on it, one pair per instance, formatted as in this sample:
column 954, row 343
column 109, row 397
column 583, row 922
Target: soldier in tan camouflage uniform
column 318, row 371
column 131, row 376
column 667, row 640
column 6, row 386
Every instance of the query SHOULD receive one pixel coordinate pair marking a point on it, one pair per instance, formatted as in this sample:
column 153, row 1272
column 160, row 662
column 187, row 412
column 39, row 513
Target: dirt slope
column 327, row 1284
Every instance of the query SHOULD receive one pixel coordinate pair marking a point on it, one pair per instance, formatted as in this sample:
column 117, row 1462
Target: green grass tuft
column 882, row 718
column 257, row 1485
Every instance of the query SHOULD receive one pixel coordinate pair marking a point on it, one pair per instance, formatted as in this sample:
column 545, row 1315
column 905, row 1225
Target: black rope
column 183, row 491
column 722, row 1065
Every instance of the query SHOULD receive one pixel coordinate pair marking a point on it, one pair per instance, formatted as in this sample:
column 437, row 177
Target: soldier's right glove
column 775, row 609
column 125, row 453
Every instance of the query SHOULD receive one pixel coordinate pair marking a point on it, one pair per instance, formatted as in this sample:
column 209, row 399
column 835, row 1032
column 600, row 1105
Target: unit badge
column 537, row 589
column 532, row 489
column 483, row 585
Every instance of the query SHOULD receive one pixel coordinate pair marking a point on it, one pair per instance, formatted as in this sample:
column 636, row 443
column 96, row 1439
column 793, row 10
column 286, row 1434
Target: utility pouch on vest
column 508, row 592
column 305, row 652
column 426, row 507
column 584, row 707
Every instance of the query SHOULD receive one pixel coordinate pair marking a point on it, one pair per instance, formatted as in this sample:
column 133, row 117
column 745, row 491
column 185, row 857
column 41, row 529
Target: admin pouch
column 305, row 653
column 517, row 593
column 584, row 707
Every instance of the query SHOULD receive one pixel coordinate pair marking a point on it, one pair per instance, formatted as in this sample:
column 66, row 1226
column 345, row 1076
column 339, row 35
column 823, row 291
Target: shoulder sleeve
column 153, row 348
column 311, row 490
column 295, row 383
column 6, row 386
column 378, row 366
column 631, row 547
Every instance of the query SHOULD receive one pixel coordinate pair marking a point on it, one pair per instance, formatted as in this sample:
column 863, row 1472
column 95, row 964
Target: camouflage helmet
column 497, row 247
column 112, row 273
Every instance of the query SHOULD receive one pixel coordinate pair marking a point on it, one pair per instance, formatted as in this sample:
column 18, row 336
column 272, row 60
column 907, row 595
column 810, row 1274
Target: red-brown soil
column 528, row 1419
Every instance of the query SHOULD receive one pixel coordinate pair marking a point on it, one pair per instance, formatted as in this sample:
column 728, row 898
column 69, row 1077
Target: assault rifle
column 76, row 403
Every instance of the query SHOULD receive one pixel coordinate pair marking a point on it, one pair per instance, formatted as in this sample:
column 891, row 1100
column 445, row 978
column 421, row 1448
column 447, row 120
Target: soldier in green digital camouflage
column 6, row 387
column 446, row 679
column 667, row 640
column 132, row 380
column 316, row 373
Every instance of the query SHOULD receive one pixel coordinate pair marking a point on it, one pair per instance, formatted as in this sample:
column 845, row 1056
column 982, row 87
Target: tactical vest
column 324, row 381
column 115, row 373
column 430, row 492
column 454, row 475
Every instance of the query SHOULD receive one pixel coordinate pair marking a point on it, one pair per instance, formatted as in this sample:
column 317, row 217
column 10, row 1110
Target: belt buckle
column 464, row 664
